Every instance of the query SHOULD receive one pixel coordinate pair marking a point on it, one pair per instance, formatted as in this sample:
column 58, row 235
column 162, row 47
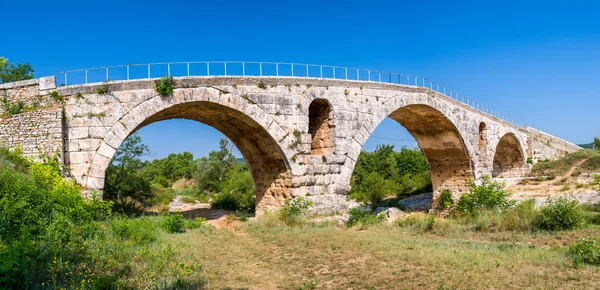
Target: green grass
column 268, row 255
column 561, row 166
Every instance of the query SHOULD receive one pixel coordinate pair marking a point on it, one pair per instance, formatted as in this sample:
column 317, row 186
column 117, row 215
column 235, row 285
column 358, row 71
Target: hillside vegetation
column 585, row 161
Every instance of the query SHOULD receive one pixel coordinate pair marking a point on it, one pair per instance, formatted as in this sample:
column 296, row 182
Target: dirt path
column 543, row 189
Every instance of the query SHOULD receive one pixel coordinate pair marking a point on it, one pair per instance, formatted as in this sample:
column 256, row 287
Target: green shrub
column 520, row 217
column 12, row 108
column 420, row 222
column 242, row 214
column 174, row 223
column 560, row 214
column 586, row 251
column 196, row 223
column 164, row 86
column 445, row 200
column 490, row 195
column 237, row 192
column 364, row 218
column 294, row 209
column 121, row 228
column 163, row 196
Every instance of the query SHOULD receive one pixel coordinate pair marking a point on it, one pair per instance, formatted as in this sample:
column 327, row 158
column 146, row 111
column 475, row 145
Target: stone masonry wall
column 544, row 146
column 36, row 131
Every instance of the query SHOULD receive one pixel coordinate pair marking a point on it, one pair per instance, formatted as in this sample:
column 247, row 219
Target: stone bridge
column 300, row 136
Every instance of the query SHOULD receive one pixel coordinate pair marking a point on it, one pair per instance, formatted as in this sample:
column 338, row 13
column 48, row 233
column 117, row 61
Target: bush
column 490, row 195
column 196, row 223
column 421, row 222
column 164, row 196
column 237, row 192
column 560, row 214
column 174, row 223
column 586, row 251
column 521, row 217
column 445, row 200
column 364, row 218
column 164, row 86
column 294, row 209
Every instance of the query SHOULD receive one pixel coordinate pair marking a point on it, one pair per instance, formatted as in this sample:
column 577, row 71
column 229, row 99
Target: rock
column 391, row 213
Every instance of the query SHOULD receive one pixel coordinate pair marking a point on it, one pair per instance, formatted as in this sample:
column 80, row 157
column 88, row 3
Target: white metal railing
column 261, row 69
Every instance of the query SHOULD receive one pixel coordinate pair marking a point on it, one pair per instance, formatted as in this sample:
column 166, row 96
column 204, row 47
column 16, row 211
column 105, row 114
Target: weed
column 445, row 200
column 297, row 139
column 79, row 96
column 261, row 85
column 103, row 89
column 56, row 96
column 364, row 218
column 586, row 251
column 164, row 86
column 294, row 209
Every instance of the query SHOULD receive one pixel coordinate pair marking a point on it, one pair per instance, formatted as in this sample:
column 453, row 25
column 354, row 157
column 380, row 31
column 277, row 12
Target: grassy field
column 267, row 255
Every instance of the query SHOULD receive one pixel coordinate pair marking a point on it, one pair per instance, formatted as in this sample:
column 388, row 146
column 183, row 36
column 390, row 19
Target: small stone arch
column 434, row 125
column 320, row 127
column 508, row 157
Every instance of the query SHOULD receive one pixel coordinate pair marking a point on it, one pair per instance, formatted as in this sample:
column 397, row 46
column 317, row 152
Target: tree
column 125, row 183
column 13, row 73
column 210, row 171
column 596, row 143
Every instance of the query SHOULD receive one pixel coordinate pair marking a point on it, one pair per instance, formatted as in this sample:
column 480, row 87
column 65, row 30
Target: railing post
column 321, row 69
column 148, row 70
column 277, row 69
column 188, row 69
column 346, row 73
column 106, row 73
column 208, row 69
column 225, row 65
column 260, row 69
column 86, row 76
column 379, row 73
column 333, row 68
column 243, row 69
column 306, row 71
column 292, row 69
column 127, row 72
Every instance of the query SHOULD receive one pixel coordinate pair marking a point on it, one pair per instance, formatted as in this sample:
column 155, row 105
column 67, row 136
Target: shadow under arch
column 441, row 143
column 270, row 170
column 508, row 159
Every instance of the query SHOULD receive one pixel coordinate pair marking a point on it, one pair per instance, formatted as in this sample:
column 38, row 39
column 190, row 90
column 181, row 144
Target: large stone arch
column 251, row 129
column 439, row 131
column 509, row 158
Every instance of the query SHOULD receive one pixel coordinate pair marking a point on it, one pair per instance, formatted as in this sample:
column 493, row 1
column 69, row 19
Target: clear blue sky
column 537, row 62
